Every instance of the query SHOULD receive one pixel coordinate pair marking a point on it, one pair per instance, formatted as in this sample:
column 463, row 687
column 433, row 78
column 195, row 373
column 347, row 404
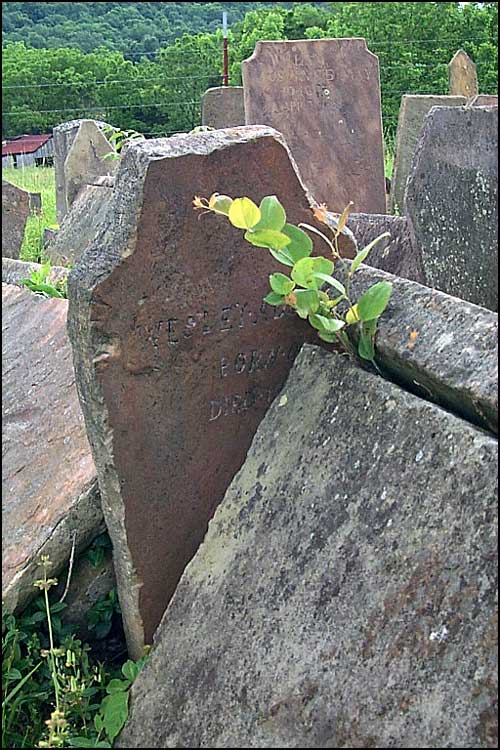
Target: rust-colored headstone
column 49, row 487
column 324, row 97
column 177, row 357
column 462, row 76
column 15, row 213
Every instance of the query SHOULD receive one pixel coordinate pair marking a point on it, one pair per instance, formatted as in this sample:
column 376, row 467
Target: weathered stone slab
column 440, row 347
column 452, row 202
column 173, row 345
column 15, row 213
column 484, row 100
column 414, row 109
column 35, row 203
column 14, row 271
column 80, row 225
column 49, row 235
column 223, row 107
column 86, row 160
column 324, row 96
column 345, row 593
column 49, row 487
column 462, row 76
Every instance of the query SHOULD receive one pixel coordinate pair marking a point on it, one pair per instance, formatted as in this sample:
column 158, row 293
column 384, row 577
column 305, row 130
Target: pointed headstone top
column 462, row 76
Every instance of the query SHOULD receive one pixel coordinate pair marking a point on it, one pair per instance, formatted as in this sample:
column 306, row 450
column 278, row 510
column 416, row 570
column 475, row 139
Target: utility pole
column 226, row 50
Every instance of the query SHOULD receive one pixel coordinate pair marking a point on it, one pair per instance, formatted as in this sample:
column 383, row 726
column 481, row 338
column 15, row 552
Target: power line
column 107, row 83
column 103, row 107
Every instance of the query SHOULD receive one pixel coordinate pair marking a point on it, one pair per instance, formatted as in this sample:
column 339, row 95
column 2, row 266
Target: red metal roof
column 27, row 144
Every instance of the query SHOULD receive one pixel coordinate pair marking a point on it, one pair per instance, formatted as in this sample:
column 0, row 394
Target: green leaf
column 374, row 301
column 305, row 270
column 267, row 238
column 130, row 670
column 329, row 337
column 222, row 204
column 307, row 302
column 282, row 256
column 273, row 214
column 274, row 299
column 244, row 214
column 114, row 709
column 281, row 284
column 366, row 343
column 301, row 245
column 327, row 325
column 98, row 723
column 116, row 686
column 330, row 280
column 363, row 254
column 81, row 742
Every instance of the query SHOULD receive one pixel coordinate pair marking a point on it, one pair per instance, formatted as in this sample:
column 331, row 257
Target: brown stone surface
column 484, row 100
column 86, row 160
column 177, row 357
column 412, row 113
column 223, row 107
column 49, row 484
column 324, row 96
column 462, row 76
column 15, row 213
column 80, row 225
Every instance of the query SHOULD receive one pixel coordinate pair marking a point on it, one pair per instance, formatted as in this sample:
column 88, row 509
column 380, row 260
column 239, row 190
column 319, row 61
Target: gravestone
column 223, row 107
column 324, row 96
column 413, row 111
column 35, row 202
column 462, row 76
column 484, row 100
column 452, row 202
column 49, row 486
column 177, row 356
column 86, row 160
column 15, row 213
column 80, row 224
column 63, row 137
column 345, row 595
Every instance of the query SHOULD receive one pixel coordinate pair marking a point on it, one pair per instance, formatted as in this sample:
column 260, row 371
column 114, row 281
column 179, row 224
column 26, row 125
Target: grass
column 35, row 180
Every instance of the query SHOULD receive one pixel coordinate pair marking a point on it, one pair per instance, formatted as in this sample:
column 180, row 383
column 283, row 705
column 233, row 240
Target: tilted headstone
column 413, row 111
column 49, row 485
column 345, row 593
column 63, row 137
column 223, row 107
column 15, row 213
column 87, row 160
column 80, row 225
column 462, row 76
column 323, row 95
column 177, row 356
column 452, row 202
column 484, row 100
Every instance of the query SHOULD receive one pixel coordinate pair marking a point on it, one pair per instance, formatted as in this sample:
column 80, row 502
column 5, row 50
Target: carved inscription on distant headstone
column 177, row 357
column 462, row 76
column 324, row 96
column 223, row 107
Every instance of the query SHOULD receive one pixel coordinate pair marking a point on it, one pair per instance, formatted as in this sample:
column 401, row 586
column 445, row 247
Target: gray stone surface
column 412, row 113
column 49, row 484
column 345, row 593
column 484, row 100
column 14, row 271
column 452, row 202
column 80, row 225
column 86, row 160
column 15, row 213
column 438, row 346
column 223, row 107
column 35, row 203
column 49, row 235
column 462, row 76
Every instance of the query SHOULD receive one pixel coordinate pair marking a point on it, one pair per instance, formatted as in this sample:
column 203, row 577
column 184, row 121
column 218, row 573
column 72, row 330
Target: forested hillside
column 55, row 77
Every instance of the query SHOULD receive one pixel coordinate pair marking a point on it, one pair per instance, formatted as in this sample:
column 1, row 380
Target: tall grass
column 35, row 180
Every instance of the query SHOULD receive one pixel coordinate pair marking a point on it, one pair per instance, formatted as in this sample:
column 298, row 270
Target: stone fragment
column 80, row 225
column 412, row 113
column 345, row 593
column 49, row 486
column 484, row 100
column 86, row 160
column 49, row 235
column 452, row 202
column 15, row 213
column 14, row 271
column 35, row 203
column 223, row 107
column 462, row 76
column 324, row 96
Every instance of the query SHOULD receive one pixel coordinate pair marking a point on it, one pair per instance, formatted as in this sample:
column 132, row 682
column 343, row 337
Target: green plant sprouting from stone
column 118, row 139
column 39, row 283
column 310, row 288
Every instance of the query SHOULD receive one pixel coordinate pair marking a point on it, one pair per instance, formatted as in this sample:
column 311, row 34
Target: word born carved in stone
column 237, row 404
column 246, row 363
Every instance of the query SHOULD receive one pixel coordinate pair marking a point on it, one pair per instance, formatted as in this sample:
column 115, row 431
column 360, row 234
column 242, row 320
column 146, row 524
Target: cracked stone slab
column 345, row 593
column 49, row 484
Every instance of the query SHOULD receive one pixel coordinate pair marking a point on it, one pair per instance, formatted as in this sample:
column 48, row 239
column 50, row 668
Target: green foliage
column 100, row 616
column 305, row 290
column 39, row 284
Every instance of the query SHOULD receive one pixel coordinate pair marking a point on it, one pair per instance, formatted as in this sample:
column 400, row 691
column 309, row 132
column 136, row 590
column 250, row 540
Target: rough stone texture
column 49, row 486
column 85, row 161
column 484, row 100
column 15, row 213
column 223, row 107
column 14, row 271
column 49, row 235
column 462, row 76
column 35, row 203
column 452, row 202
column 174, row 346
column 324, row 96
column 412, row 113
column 80, row 225
column 454, row 358
column 345, row 594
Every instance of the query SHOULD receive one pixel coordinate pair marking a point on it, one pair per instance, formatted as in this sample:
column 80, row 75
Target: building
column 28, row 151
